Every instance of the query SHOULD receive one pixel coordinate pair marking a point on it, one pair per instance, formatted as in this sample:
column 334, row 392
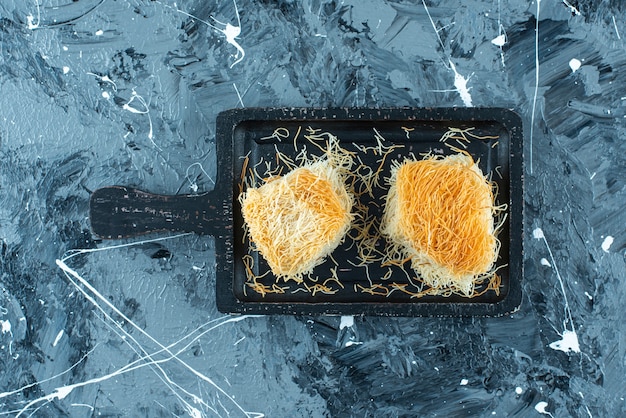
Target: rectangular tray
column 257, row 133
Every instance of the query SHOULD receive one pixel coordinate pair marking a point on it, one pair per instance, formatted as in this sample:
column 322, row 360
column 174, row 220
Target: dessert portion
column 439, row 214
column 295, row 221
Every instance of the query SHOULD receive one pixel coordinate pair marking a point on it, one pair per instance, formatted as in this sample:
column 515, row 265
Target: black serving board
column 246, row 137
column 259, row 133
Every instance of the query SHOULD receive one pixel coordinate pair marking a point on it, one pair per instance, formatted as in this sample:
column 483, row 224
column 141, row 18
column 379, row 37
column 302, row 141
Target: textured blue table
column 95, row 93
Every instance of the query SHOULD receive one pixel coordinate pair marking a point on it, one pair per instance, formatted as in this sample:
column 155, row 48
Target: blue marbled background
column 103, row 92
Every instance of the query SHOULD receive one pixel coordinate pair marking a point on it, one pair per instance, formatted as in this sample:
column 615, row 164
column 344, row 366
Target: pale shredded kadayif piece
column 295, row 221
column 439, row 215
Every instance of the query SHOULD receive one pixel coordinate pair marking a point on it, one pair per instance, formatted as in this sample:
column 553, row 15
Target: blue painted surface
column 96, row 93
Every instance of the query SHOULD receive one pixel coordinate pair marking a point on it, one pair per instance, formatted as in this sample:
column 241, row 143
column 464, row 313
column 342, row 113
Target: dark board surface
column 96, row 93
column 493, row 137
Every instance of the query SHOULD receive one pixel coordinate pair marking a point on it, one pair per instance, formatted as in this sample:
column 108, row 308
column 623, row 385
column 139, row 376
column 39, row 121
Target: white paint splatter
column 238, row 95
column 144, row 357
column 464, row 382
column 534, row 108
column 49, row 379
column 145, row 360
column 545, row 262
column 567, row 343
column 144, row 111
column 615, row 26
column 606, row 244
column 106, row 79
column 346, row 322
column 106, row 95
column 460, row 83
column 519, row 390
column 193, row 411
column 83, row 404
column 499, row 40
column 58, row 338
column 541, row 408
column 99, row 32
column 231, row 32
column 569, row 339
column 586, row 407
column 131, row 109
column 6, row 326
column 66, row 69
column 30, row 18
column 588, row 296
column 574, row 64
column 193, row 185
column 30, row 24
column 571, row 8
column 62, row 392
column 351, row 343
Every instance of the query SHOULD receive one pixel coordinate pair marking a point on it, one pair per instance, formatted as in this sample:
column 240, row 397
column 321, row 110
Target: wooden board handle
column 122, row 212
